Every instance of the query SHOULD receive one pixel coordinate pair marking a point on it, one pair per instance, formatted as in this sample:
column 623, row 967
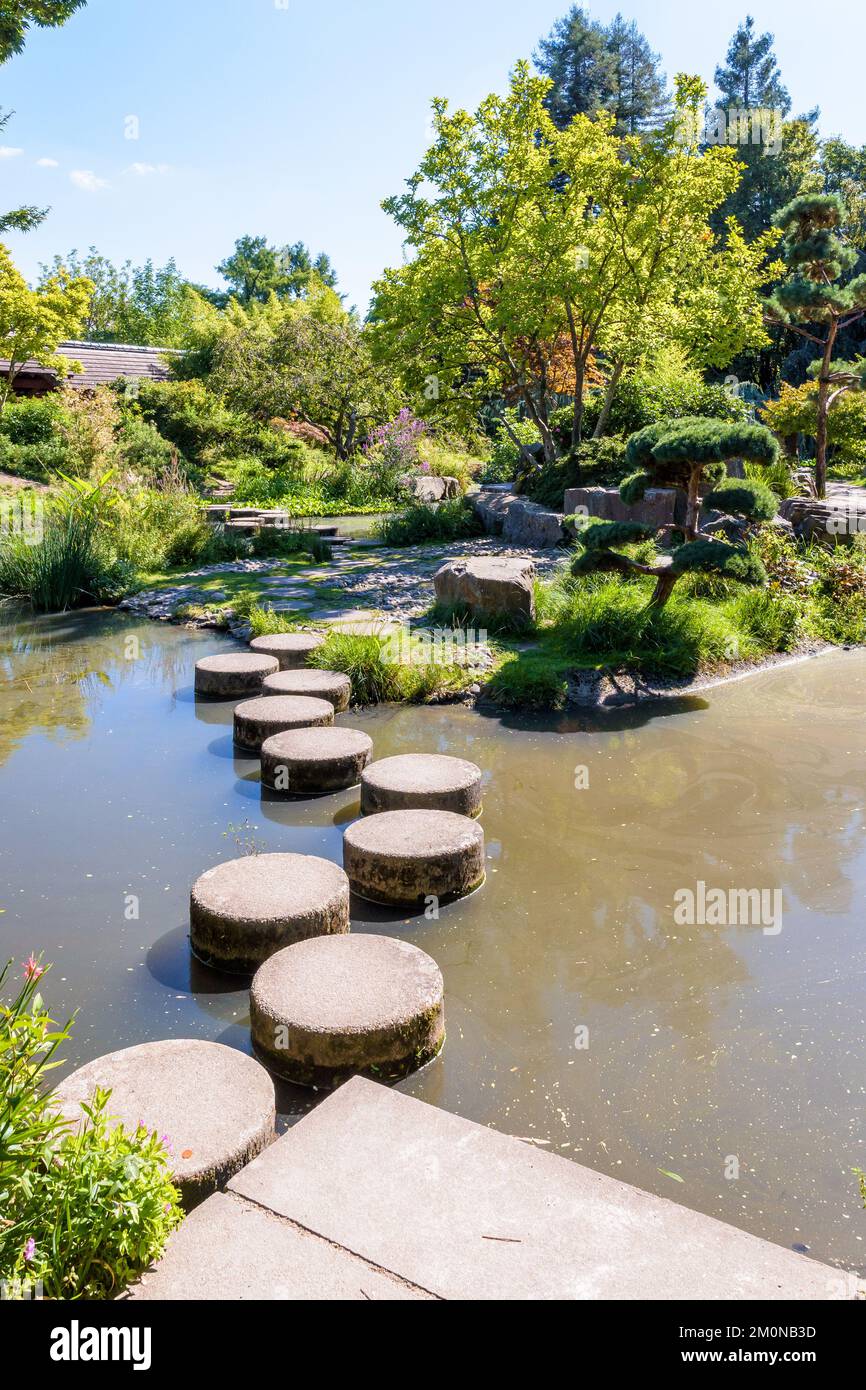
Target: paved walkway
column 377, row 1196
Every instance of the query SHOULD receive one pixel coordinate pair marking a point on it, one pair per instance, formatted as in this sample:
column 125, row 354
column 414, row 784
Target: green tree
column 687, row 454
column 34, row 322
column 815, row 295
column 255, row 270
column 535, row 249
column 148, row 305
column 20, row 219
column 302, row 366
column 17, row 17
column 596, row 68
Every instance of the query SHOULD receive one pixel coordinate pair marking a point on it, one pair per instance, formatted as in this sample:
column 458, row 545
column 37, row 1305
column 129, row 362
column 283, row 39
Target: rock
column 315, row 762
column 429, row 489
column 258, row 720
column 215, row 1106
column 409, row 856
column 341, row 1006
column 836, row 519
column 518, row 520
column 494, row 587
column 422, row 781
column 332, row 686
column 233, row 675
column 660, row 506
column 244, row 911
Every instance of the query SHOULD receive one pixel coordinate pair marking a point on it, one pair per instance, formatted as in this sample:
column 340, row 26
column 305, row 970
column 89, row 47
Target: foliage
column 596, row 463
column 255, row 271
column 31, row 420
column 18, row 16
column 419, row 524
column 595, row 67
column 147, row 305
column 665, row 388
column 34, row 322
column 84, row 1212
column 796, row 413
column 529, row 682
column 377, row 679
column 743, row 497
column 533, row 249
column 507, row 455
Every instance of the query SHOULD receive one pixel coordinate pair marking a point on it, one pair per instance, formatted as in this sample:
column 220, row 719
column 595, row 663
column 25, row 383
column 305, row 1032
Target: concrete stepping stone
column 312, row 684
column 233, row 674
column 313, row 762
column 422, row 781
column 258, row 720
column 406, row 857
column 244, row 911
column 290, row 648
column 326, row 1010
column 215, row 1106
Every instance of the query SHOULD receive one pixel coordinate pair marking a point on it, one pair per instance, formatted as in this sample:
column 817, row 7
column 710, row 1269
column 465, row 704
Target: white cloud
column 143, row 171
column 47, row 164
column 7, row 152
column 86, row 180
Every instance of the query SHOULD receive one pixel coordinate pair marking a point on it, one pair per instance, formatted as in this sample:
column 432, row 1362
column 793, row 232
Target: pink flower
column 32, row 969
column 29, row 1250
column 166, row 1143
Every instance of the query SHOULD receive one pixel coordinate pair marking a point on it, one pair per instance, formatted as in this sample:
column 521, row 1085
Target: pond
column 581, row 1015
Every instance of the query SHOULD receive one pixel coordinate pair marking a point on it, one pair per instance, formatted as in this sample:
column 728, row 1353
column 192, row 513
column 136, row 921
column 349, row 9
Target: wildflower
column 29, row 1250
column 32, row 969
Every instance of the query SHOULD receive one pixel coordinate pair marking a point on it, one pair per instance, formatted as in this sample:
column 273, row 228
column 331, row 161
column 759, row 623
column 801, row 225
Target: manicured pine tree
column 687, row 454
column 814, row 296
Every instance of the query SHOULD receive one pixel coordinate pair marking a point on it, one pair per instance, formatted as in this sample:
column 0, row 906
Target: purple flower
column 29, row 1250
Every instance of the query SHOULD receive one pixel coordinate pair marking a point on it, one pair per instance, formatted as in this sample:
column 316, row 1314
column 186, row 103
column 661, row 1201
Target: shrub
column 665, row 390
column 30, row 421
column 420, row 524
column 376, row 678
column 506, row 457
column 83, row 1213
column 142, row 451
column 597, row 463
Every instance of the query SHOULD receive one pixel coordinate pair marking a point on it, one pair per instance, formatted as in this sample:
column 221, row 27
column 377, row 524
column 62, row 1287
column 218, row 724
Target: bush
column 376, row 678
column 667, row 391
column 597, row 463
column 142, row 451
column 30, row 421
column 83, row 1213
column 420, row 524
column 506, row 457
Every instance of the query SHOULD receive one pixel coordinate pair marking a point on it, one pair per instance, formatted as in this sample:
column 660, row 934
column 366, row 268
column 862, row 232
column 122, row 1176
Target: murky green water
column 705, row 1046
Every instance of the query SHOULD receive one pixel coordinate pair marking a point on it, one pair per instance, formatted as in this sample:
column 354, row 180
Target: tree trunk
column 693, row 503
column 663, row 590
column 821, row 437
column 608, row 400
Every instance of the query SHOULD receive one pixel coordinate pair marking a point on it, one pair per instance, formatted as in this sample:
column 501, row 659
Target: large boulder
column 829, row 522
column 427, row 488
column 494, row 586
column 519, row 521
column 660, row 507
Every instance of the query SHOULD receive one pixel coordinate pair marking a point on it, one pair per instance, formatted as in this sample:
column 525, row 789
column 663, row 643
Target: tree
column 255, row 270
column 687, row 454
column 813, row 295
column 17, row 16
column 536, row 248
column 595, row 68
column 147, row 304
column 34, row 322
column 301, row 366
column 21, row 219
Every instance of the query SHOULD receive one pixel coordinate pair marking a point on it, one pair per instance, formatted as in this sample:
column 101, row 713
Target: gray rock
column 660, row 506
column 314, row 762
column 422, row 781
column 496, row 587
column 408, row 856
column 318, row 685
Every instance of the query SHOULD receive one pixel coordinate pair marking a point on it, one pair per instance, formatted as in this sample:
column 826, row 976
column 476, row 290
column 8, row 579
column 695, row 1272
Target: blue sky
column 293, row 120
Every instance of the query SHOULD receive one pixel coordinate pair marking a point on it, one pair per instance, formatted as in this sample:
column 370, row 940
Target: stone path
column 377, row 1197
column 395, row 583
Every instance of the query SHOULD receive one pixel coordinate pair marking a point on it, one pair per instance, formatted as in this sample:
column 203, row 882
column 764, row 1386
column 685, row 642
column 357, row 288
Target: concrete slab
column 228, row 1250
column 467, row 1213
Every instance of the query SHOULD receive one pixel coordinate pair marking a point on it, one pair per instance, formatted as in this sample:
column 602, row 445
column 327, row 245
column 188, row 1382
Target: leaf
column 676, row 1177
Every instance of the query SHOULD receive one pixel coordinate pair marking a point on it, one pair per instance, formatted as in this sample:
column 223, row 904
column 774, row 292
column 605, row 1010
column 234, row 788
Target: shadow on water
column 171, row 962
column 612, row 719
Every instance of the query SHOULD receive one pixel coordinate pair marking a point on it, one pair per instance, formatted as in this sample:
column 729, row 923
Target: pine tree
column 752, row 76
column 595, row 68
column 815, row 294
column 640, row 99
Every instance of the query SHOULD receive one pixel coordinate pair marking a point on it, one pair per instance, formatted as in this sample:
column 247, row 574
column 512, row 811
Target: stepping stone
column 244, row 911
column 290, row 648
column 234, row 674
column 318, row 685
column 313, row 762
column 407, row 856
column 258, row 720
column 215, row 1106
column 326, row 1010
column 422, row 781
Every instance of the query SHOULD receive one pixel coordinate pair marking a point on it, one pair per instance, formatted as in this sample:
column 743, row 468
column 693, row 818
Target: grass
column 377, row 678
column 420, row 524
column 532, row 681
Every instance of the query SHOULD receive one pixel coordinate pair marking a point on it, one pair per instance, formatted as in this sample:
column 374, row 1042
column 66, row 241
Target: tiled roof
column 105, row 362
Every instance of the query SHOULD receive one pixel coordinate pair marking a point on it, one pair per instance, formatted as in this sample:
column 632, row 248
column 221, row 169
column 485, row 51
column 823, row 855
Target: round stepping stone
column 408, row 856
column 326, row 1010
column 213, row 1105
column 258, row 720
column 234, row 674
column 244, row 911
column 319, row 685
column 424, row 782
column 313, row 762
column 290, row 648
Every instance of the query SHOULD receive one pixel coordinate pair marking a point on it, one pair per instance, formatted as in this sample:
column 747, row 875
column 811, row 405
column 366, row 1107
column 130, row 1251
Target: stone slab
column 660, row 507
column 467, row 1213
column 230, row 1251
